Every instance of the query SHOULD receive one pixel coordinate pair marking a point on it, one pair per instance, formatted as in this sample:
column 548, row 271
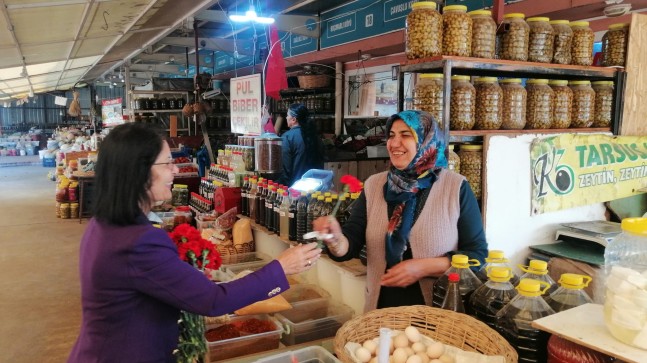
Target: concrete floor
column 40, row 308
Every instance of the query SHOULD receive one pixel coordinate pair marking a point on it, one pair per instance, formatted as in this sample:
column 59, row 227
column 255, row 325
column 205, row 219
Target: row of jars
column 490, row 104
column 322, row 102
column 158, row 103
column 536, row 39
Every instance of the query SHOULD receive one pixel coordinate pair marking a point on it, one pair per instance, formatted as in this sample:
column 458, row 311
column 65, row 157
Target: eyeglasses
column 169, row 164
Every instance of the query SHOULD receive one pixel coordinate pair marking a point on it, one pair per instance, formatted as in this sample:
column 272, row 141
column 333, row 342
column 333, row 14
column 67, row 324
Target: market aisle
column 40, row 309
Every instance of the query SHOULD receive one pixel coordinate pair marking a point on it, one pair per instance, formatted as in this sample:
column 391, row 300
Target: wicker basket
column 313, row 80
column 446, row 326
column 231, row 249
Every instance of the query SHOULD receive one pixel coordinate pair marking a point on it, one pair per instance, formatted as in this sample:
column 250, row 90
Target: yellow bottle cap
column 531, row 287
column 462, row 261
column 499, row 274
column 496, row 256
column 635, row 226
column 574, row 281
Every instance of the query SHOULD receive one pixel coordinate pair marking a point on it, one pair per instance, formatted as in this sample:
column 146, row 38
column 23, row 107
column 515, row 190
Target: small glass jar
column 163, row 103
column 614, row 45
column 539, row 110
column 514, row 104
column 453, row 161
column 180, row 194
column 424, row 31
column 428, row 94
column 457, row 31
column 540, row 41
column 582, row 46
column 462, row 105
column 471, row 165
column 512, row 37
column 562, row 104
column 489, row 104
column 583, row 104
column 603, row 103
column 483, row 34
column 563, row 41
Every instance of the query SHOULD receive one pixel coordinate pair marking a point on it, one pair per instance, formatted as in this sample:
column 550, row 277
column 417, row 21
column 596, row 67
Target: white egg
column 373, row 360
column 424, row 358
column 362, row 354
column 400, row 355
column 412, row 334
column 435, row 350
column 446, row 359
column 414, row 359
column 370, row 345
column 409, row 351
column 419, row 347
column 400, row 341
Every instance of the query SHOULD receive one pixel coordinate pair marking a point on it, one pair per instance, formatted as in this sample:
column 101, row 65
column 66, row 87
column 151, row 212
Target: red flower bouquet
column 351, row 185
column 194, row 249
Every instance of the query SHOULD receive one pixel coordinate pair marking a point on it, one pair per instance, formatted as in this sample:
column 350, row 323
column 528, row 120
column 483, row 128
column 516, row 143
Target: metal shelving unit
column 184, row 93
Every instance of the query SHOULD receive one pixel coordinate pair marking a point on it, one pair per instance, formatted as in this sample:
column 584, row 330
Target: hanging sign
column 60, row 101
column 112, row 112
column 245, row 101
column 573, row 170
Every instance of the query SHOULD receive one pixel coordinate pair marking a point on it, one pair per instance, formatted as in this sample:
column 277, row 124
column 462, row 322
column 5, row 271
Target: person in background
column 133, row 283
column 302, row 147
column 411, row 218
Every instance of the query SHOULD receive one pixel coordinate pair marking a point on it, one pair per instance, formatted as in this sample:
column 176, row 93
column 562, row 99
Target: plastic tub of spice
column 243, row 335
column 300, row 330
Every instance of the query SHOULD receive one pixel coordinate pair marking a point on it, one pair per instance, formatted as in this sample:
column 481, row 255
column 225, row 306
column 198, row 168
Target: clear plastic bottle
column 538, row 270
column 625, row 261
column 496, row 258
column 453, row 300
column 571, row 292
column 468, row 281
column 515, row 319
column 493, row 295
column 313, row 211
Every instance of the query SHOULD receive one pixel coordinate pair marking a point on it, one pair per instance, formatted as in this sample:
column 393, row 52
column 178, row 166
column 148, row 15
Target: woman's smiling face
column 401, row 145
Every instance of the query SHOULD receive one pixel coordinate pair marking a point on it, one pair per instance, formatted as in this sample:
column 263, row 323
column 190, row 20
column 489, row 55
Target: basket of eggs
column 430, row 334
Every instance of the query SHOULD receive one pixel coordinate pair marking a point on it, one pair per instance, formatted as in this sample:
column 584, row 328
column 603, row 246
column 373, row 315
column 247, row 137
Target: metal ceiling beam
column 14, row 39
column 84, row 18
column 165, row 57
column 161, row 68
column 227, row 45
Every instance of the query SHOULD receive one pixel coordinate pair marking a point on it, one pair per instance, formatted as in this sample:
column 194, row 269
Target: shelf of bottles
column 316, row 100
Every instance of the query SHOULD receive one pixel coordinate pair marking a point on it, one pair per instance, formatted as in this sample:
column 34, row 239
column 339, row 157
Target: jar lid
column 618, row 26
column 431, row 75
column 559, row 22
column 455, row 8
column 460, row 78
column 580, row 23
column 514, row 15
column 538, row 18
column 602, row 83
column 579, row 83
column 558, row 82
column 635, row 226
column 511, row 80
column 538, row 81
column 471, row 147
column 480, row 12
column 423, row 5
column 180, row 186
column 486, row 79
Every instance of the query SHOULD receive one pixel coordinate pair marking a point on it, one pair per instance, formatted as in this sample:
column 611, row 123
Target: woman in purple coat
column 133, row 283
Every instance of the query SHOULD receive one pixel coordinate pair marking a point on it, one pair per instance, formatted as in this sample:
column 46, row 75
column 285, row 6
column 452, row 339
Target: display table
column 585, row 326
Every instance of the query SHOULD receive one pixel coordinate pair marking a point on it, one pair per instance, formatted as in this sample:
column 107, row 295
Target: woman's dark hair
column 122, row 172
column 312, row 141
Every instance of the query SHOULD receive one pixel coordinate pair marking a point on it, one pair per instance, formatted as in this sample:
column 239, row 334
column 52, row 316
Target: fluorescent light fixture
column 250, row 15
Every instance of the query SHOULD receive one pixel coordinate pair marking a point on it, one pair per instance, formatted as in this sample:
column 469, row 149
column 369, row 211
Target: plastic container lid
column 454, row 277
column 496, row 255
column 472, row 147
column 486, row 79
column 560, row 22
column 423, row 5
column 600, row 83
column 431, row 75
column 530, row 287
column 455, row 8
column 579, row 83
column 635, row 226
column 180, row 186
column 558, row 82
column 618, row 26
column 538, row 266
column 580, row 23
column 480, row 12
column 514, row 15
column 462, row 261
column 538, row 18
column 538, row 81
column 499, row 274
column 510, row 80
column 574, row 281
column 460, row 78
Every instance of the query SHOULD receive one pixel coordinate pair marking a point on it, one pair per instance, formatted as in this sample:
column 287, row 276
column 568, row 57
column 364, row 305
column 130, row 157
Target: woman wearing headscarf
column 411, row 218
column 302, row 148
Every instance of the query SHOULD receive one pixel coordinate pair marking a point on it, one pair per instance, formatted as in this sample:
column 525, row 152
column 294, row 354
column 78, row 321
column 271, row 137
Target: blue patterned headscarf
column 402, row 185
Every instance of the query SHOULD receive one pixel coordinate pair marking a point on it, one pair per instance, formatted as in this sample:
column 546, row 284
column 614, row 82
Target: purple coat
column 133, row 285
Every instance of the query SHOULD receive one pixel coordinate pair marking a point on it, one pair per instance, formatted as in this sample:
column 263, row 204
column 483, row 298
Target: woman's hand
column 409, row 271
column 337, row 244
column 300, row 258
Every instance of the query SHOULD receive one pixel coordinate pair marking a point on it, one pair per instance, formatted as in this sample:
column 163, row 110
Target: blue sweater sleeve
column 286, row 160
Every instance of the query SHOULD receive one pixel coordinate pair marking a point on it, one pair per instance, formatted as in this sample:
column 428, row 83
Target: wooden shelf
column 151, row 92
column 158, row 111
column 478, row 135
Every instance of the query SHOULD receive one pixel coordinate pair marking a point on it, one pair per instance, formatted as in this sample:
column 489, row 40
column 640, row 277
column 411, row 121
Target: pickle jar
column 540, row 40
column 539, row 108
column 514, row 104
column 512, row 37
column 563, row 40
column 471, row 165
column 489, row 104
column 483, row 34
column 453, row 161
column 583, row 104
column 424, row 31
column 614, row 45
column 582, row 46
column 428, row 94
column 180, row 195
column 603, row 103
column 457, row 31
column 462, row 105
column 562, row 104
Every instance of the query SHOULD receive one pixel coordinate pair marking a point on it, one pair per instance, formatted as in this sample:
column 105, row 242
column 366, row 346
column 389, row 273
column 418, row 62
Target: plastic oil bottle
column 292, row 215
column 468, row 281
column 496, row 258
column 538, row 270
column 284, row 216
column 493, row 295
column 571, row 292
column 453, row 300
column 259, row 217
column 302, row 217
column 515, row 319
column 251, row 199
